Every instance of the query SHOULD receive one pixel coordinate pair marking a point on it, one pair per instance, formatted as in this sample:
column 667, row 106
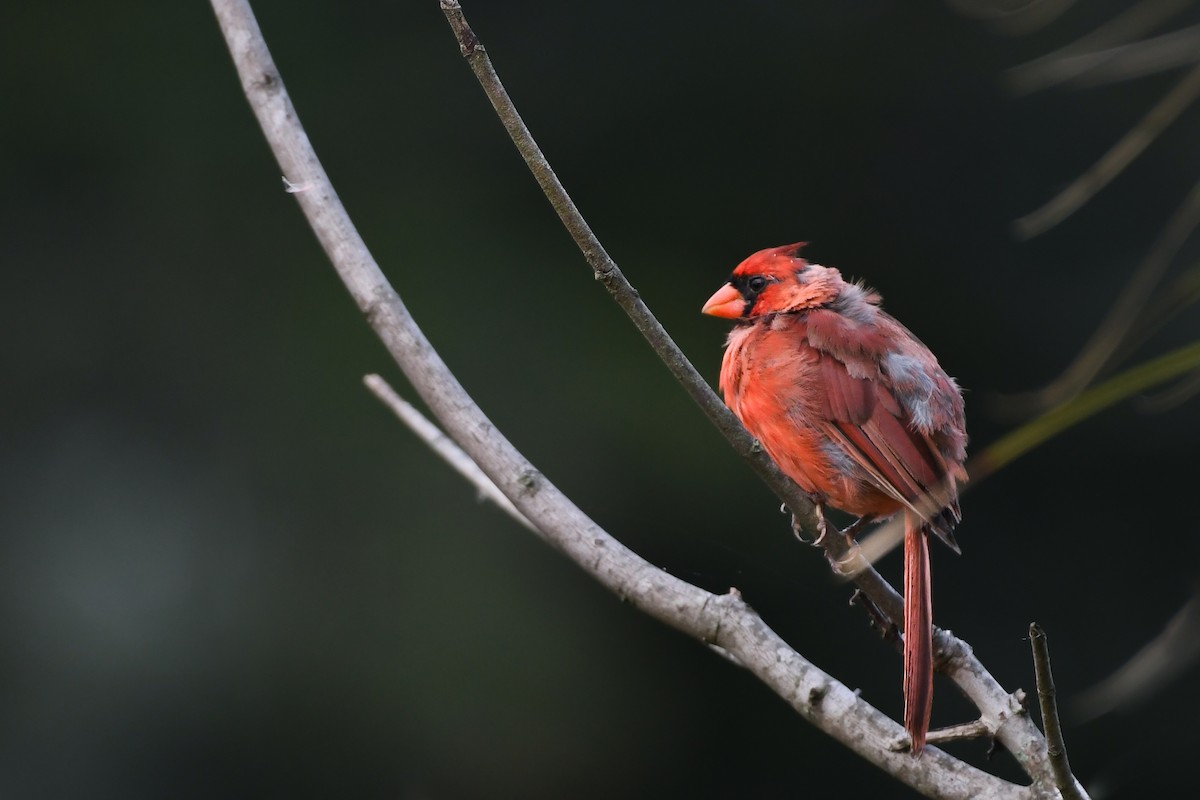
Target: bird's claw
column 822, row 526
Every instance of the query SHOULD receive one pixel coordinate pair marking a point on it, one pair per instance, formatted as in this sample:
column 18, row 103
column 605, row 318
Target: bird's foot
column 823, row 526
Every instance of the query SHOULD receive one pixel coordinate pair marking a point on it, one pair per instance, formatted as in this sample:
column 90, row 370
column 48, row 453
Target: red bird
column 855, row 410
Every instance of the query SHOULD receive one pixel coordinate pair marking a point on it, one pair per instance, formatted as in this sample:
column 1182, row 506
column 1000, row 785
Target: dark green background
column 226, row 571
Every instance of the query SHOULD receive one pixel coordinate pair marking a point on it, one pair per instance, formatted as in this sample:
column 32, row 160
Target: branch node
column 468, row 42
column 530, row 480
column 379, row 307
column 876, row 619
column 268, row 81
column 1020, row 702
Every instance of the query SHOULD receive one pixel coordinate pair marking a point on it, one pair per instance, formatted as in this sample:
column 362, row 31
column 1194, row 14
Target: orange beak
column 727, row 302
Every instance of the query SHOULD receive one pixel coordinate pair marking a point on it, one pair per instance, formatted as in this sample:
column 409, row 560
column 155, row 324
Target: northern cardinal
column 855, row 410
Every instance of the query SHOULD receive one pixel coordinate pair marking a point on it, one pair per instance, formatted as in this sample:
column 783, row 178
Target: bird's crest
column 769, row 260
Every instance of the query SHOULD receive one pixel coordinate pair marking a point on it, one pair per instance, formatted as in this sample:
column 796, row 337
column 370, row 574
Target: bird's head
column 774, row 280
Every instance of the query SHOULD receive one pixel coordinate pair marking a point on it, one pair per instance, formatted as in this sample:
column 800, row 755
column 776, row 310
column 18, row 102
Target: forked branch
column 723, row 620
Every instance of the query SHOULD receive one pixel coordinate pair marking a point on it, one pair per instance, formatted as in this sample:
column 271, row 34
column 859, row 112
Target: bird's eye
column 756, row 284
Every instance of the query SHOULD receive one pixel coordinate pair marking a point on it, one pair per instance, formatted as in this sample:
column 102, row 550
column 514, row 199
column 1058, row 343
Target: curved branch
column 838, row 550
column 738, row 633
column 608, row 273
column 723, row 620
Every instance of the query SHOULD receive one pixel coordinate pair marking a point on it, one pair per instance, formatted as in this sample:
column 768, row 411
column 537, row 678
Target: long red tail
column 918, row 632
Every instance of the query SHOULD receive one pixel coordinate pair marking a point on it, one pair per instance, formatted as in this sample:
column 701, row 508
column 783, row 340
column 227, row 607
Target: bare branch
column 723, row 620
column 1047, row 694
column 976, row 729
column 608, row 273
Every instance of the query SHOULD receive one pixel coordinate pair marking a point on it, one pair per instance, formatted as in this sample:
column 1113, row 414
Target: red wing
column 846, row 399
column 865, row 420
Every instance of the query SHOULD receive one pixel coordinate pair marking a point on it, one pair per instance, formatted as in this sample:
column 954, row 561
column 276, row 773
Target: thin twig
column 1055, row 747
column 1112, row 163
column 976, row 729
column 444, row 446
column 608, row 273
